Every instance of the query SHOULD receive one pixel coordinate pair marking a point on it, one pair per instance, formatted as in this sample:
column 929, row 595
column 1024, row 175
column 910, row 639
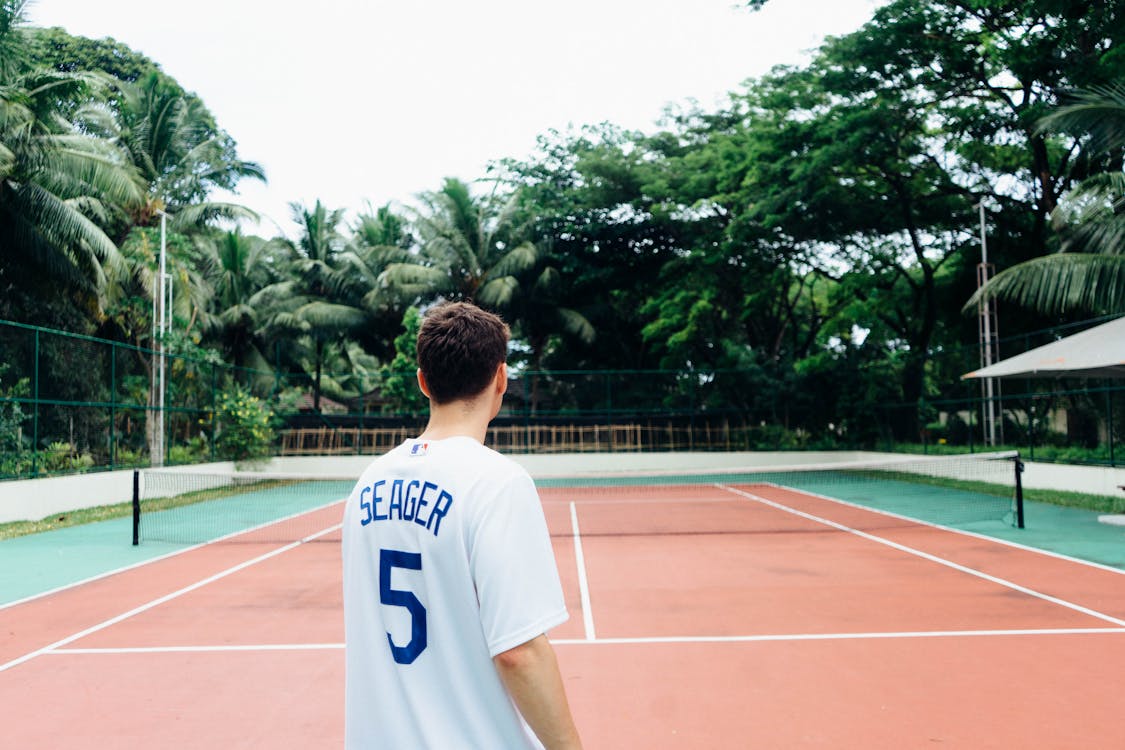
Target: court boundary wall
column 33, row 499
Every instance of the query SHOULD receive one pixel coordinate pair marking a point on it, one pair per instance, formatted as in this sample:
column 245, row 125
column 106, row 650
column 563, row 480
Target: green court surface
column 1068, row 531
column 38, row 563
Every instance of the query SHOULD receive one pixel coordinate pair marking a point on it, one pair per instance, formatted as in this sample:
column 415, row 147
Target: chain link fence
column 1071, row 419
column 71, row 403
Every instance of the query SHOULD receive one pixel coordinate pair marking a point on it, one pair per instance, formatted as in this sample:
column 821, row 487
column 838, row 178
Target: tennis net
column 965, row 491
column 192, row 507
column 189, row 507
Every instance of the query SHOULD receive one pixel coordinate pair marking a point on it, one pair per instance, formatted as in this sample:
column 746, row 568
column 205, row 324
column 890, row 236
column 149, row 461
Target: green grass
column 65, row 519
column 1100, row 503
column 1064, row 454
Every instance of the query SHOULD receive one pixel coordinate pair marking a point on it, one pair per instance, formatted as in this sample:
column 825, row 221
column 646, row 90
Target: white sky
column 354, row 101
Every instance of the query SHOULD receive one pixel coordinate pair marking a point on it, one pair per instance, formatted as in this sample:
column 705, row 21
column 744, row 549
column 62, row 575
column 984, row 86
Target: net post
column 1019, row 490
column 136, row 507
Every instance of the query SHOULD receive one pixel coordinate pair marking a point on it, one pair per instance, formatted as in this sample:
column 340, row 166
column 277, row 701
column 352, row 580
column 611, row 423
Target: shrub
column 244, row 425
column 127, row 456
column 193, row 451
column 62, row 458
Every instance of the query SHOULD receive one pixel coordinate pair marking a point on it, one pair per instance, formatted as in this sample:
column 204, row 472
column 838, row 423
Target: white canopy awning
column 1098, row 352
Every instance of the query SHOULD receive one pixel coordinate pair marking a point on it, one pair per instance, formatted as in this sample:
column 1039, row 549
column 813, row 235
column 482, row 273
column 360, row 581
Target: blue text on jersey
column 423, row 503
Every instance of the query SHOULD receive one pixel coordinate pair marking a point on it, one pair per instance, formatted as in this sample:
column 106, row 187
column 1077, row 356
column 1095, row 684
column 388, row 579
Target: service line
column 583, row 585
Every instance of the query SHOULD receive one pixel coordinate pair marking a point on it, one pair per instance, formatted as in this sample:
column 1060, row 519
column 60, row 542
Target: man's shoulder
column 462, row 453
column 484, row 460
column 387, row 461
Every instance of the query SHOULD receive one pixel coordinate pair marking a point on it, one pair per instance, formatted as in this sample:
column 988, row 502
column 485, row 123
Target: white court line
column 868, row 508
column 836, row 636
column 199, row 649
column 166, row 598
column 167, row 555
column 58, row 648
column 670, row 640
column 583, row 585
column 962, row 532
column 932, row 558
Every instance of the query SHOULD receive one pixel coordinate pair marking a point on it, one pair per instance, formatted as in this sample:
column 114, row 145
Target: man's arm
column 530, row 672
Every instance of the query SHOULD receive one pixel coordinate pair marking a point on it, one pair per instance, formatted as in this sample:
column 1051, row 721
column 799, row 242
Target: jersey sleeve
column 513, row 568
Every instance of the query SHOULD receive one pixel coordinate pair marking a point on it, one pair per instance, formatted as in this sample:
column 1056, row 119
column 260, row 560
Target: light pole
column 157, row 448
column 989, row 334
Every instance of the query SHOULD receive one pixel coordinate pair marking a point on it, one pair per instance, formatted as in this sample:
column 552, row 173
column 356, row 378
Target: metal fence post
column 527, row 382
column 1109, row 426
column 214, row 405
column 972, row 412
column 609, row 397
column 35, row 412
column 112, row 405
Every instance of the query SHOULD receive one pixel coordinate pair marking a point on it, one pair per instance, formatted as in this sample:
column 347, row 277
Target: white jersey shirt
column 447, row 563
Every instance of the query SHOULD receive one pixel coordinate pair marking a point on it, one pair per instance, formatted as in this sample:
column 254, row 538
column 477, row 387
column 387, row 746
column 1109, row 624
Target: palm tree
column 379, row 240
column 174, row 143
column 13, row 49
column 1088, row 273
column 541, row 318
column 305, row 313
column 237, row 267
column 477, row 248
column 470, row 248
column 383, row 228
column 58, row 186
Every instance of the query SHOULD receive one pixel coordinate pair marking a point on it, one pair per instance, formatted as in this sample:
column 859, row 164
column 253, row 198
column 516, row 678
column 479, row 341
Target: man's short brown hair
column 459, row 348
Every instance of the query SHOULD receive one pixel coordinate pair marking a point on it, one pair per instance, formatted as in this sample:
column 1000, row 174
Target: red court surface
column 790, row 622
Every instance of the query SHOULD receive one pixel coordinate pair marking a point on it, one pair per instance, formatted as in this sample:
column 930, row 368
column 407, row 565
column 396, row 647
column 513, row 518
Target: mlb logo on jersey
column 419, row 449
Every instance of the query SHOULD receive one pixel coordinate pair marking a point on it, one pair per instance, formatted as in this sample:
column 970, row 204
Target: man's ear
column 502, row 378
column 422, row 386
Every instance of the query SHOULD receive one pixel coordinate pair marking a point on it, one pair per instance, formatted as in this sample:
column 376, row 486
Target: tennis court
column 712, row 610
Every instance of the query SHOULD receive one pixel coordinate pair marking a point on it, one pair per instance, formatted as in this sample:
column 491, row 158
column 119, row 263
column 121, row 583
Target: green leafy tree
column 399, row 384
column 66, row 53
column 604, row 241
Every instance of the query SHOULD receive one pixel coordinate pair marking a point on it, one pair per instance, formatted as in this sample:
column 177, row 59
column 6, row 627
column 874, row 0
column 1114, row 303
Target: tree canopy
column 814, row 239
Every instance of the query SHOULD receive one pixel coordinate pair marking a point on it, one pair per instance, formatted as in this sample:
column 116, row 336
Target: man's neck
column 459, row 419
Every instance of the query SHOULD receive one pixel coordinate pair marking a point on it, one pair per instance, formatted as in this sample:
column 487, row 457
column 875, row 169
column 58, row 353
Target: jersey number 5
column 389, row 559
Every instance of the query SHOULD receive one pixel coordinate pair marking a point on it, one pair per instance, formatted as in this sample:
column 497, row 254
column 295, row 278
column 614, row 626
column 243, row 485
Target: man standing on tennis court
column 450, row 584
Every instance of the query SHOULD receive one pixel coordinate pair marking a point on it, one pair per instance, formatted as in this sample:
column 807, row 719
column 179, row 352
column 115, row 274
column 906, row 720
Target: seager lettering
column 410, row 501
